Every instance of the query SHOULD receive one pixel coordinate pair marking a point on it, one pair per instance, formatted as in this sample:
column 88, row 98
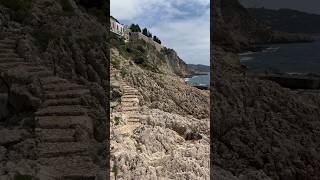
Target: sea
column 200, row 80
column 295, row 58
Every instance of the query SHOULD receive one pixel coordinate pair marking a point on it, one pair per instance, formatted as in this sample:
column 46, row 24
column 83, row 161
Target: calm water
column 285, row 58
column 203, row 80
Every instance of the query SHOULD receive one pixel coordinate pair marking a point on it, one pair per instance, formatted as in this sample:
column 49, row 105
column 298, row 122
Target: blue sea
column 202, row 80
column 296, row 58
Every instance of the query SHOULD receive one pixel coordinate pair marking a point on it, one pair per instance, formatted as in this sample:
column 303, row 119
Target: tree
column 135, row 28
column 138, row 28
column 156, row 39
column 145, row 32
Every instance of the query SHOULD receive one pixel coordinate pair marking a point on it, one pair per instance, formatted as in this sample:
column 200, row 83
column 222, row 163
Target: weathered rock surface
column 160, row 127
column 52, row 113
column 236, row 30
column 260, row 130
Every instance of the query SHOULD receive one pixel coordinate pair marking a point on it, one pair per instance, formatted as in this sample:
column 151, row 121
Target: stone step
column 136, row 116
column 62, row 111
column 56, row 135
column 72, row 167
column 4, row 50
column 38, row 74
column 52, row 80
column 62, row 87
column 64, row 122
column 130, row 108
column 13, row 65
column 7, row 46
column 11, row 60
column 136, row 100
column 56, row 149
column 67, row 94
column 8, row 55
column 8, row 41
column 129, row 96
column 129, row 104
column 129, row 93
column 60, row 102
column 133, row 120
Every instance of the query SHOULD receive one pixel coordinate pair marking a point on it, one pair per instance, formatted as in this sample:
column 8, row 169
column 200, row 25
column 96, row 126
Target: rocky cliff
column 148, row 57
column 236, row 29
column 53, row 64
column 259, row 129
column 288, row 20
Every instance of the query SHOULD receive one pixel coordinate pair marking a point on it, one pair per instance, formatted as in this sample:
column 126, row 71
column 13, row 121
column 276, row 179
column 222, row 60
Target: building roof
column 114, row 19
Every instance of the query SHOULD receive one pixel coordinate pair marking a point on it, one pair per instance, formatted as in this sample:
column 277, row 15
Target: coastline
column 197, row 85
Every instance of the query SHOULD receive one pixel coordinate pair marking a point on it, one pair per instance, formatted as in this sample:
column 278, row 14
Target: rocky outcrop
column 148, row 57
column 236, row 30
column 160, row 128
column 175, row 63
column 53, row 102
column 259, row 129
column 287, row 20
column 48, row 124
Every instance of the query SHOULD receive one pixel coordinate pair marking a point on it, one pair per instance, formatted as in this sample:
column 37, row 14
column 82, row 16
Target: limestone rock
column 11, row 136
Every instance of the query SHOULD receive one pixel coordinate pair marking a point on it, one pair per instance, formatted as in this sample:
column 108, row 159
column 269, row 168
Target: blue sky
column 183, row 25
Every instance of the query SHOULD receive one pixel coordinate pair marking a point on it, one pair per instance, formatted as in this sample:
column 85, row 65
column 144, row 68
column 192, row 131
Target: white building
column 119, row 29
column 116, row 26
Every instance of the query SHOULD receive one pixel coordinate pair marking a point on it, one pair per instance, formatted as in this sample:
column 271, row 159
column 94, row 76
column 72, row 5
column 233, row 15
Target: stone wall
column 135, row 35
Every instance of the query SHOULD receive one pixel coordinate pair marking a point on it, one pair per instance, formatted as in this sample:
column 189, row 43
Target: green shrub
column 117, row 120
column 123, row 72
column 139, row 60
column 115, row 171
column 115, row 63
column 141, row 49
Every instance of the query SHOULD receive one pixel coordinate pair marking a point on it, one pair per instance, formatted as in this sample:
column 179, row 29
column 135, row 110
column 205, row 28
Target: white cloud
column 189, row 36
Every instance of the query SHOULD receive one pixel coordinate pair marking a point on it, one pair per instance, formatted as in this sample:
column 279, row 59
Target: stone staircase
column 130, row 105
column 64, row 130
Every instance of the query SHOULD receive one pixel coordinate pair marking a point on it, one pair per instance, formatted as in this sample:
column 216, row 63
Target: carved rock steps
column 54, row 149
column 61, row 102
column 56, row 135
column 73, row 167
column 64, row 122
column 58, row 119
column 67, row 94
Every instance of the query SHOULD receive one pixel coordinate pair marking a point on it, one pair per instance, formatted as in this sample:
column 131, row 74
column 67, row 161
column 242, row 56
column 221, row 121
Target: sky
column 183, row 25
column 311, row 6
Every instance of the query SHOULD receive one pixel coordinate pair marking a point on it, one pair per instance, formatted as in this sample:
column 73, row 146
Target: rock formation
column 53, row 77
column 159, row 125
column 259, row 129
column 235, row 29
